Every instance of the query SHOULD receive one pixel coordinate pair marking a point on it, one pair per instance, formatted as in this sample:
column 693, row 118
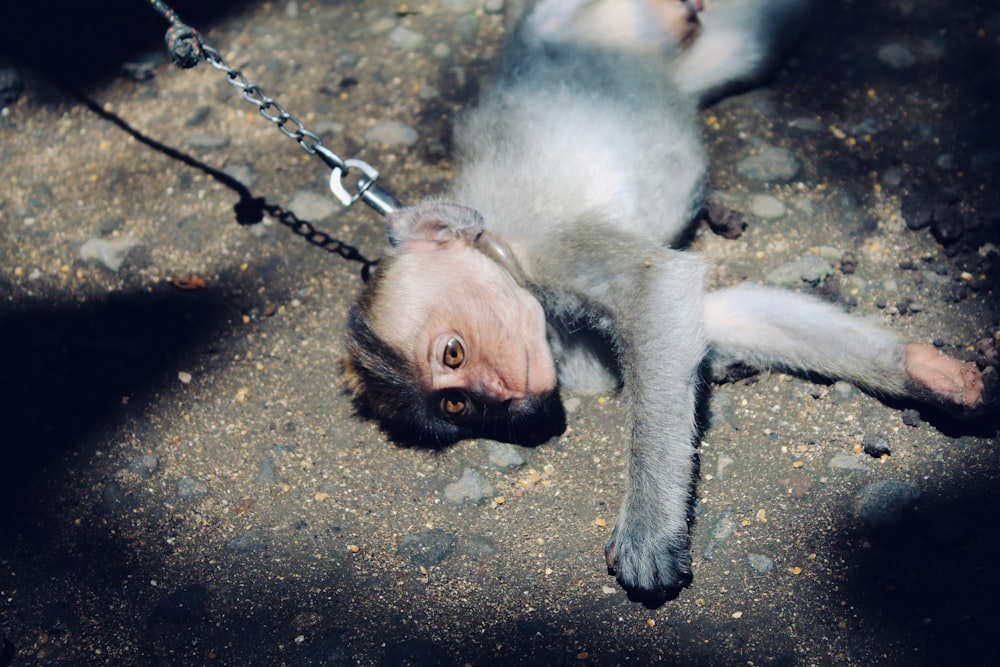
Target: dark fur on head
column 384, row 383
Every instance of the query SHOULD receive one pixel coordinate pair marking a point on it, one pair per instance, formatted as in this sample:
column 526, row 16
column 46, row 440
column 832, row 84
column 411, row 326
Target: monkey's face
column 444, row 342
column 476, row 337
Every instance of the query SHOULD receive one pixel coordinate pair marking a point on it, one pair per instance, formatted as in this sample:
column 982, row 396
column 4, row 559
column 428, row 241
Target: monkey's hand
column 651, row 564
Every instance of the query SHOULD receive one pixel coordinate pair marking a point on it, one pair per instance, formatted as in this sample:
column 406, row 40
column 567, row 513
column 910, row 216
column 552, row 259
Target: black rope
column 183, row 41
column 249, row 209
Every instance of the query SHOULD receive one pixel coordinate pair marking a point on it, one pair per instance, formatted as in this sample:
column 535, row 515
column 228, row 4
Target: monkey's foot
column 651, row 568
column 958, row 386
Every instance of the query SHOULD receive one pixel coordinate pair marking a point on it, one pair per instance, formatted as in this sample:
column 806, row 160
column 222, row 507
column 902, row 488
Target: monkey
column 552, row 263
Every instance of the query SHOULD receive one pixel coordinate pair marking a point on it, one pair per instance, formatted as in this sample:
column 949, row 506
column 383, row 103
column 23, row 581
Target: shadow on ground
column 927, row 582
column 87, row 42
column 70, row 366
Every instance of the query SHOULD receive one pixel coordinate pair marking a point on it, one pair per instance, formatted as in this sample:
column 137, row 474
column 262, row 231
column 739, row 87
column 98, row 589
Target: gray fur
column 587, row 161
column 594, row 156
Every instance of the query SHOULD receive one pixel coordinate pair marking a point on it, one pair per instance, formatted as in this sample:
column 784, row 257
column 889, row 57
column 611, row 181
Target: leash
column 187, row 49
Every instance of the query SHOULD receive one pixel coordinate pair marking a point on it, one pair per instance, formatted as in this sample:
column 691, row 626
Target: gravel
column 249, row 516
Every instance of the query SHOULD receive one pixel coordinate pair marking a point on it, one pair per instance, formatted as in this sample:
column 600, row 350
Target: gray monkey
column 549, row 264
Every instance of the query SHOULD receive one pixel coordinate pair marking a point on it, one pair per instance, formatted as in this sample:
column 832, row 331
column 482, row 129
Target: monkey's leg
column 630, row 25
column 739, row 42
column 663, row 345
column 770, row 327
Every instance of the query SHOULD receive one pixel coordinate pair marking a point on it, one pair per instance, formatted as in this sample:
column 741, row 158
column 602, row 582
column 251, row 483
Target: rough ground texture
column 183, row 480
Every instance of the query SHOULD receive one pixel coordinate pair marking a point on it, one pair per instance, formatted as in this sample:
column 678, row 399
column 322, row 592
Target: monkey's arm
column 773, row 328
column 653, row 297
column 663, row 345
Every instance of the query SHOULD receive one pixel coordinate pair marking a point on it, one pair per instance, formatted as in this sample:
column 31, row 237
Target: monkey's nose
column 495, row 390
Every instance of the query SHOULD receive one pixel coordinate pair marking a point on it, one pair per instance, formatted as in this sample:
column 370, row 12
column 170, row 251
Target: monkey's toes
column 958, row 386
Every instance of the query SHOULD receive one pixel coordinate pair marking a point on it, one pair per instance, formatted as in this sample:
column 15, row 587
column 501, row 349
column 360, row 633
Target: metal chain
column 186, row 47
column 321, row 239
column 252, row 93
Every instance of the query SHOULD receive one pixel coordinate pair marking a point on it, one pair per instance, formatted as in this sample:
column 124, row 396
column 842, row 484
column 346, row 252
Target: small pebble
column 392, row 133
column 847, row 462
column 108, row 253
column 199, row 116
column 886, row 502
column 427, row 548
column 806, row 124
column 945, row 162
column 867, row 127
column 312, row 206
column 266, row 473
column 471, row 488
column 760, row 564
column 767, row 206
column 251, row 542
column 721, row 408
column 405, row 39
column 721, row 531
column 441, row 51
column 144, row 464
column 893, row 177
column 459, row 6
column 917, row 210
column 896, row 56
column 11, row 86
column 810, row 269
column 466, row 29
column 911, row 417
column 242, row 173
column 723, row 466
column 504, row 456
column 114, row 498
column 770, row 164
column 875, row 444
column 844, row 391
column 189, row 488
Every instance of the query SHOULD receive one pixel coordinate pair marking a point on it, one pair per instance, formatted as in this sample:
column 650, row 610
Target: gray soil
column 184, row 481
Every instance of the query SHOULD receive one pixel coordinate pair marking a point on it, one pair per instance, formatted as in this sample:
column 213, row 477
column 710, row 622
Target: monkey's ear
column 434, row 224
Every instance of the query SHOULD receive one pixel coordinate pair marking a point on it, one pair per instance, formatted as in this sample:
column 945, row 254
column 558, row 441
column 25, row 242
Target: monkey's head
column 445, row 342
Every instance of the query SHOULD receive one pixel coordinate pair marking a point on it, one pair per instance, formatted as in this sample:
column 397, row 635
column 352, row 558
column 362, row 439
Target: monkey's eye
column 454, row 404
column 454, row 353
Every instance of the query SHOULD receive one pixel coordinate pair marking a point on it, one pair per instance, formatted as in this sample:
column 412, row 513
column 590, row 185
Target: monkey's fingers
column 657, row 575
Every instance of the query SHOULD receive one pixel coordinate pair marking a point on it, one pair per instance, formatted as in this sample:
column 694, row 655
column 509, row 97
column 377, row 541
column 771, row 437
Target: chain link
column 186, row 47
column 321, row 239
column 272, row 110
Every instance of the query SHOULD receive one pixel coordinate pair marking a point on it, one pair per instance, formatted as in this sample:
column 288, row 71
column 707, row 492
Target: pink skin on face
column 467, row 296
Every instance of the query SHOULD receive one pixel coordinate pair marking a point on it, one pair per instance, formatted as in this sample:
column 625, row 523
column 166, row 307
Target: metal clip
column 337, row 185
column 379, row 200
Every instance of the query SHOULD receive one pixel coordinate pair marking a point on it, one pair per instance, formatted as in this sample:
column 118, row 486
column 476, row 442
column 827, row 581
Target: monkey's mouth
column 533, row 421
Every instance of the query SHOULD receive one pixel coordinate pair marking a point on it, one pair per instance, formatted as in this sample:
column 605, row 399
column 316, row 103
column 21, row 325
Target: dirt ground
column 182, row 476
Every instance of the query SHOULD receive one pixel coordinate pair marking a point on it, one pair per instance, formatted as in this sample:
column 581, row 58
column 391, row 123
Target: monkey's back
column 566, row 132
